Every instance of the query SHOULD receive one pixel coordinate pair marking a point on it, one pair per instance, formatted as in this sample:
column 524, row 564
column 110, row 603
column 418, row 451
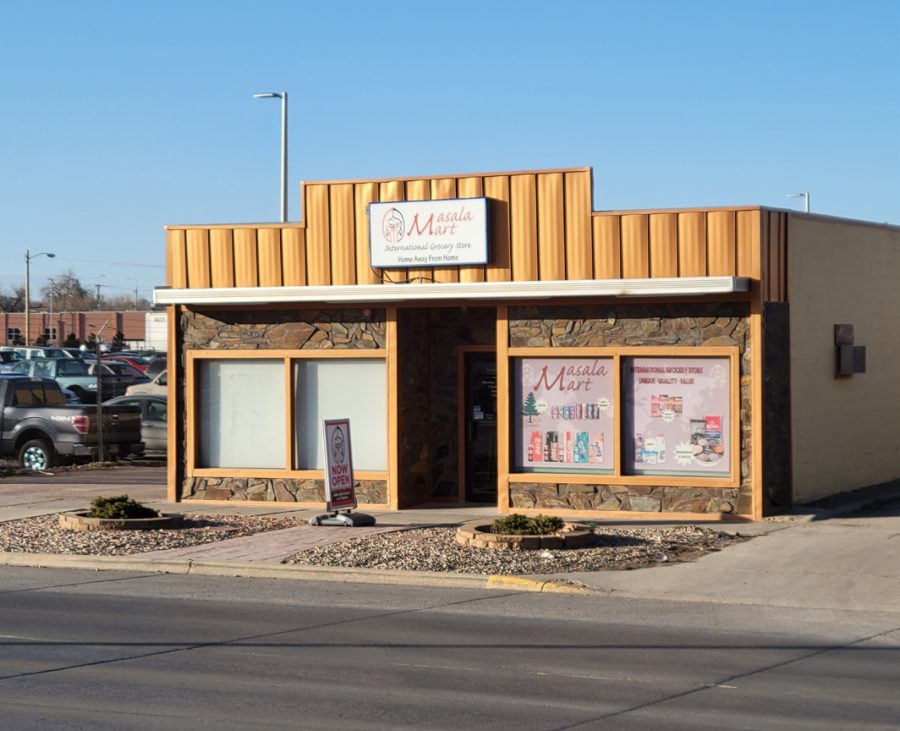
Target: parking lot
column 29, row 494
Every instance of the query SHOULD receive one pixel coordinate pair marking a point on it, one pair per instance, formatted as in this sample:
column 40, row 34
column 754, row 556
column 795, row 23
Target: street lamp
column 284, row 99
column 28, row 257
column 804, row 196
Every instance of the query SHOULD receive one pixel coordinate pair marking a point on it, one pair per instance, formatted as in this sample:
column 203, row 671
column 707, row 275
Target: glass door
column 480, row 442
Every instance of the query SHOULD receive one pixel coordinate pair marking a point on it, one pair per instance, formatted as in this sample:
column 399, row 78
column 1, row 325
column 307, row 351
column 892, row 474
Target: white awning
column 461, row 291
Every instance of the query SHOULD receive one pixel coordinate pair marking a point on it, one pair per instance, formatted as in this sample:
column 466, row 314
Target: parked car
column 135, row 361
column 40, row 430
column 8, row 359
column 157, row 365
column 158, row 385
column 76, row 375
column 31, row 353
column 153, row 408
column 125, row 371
column 79, row 353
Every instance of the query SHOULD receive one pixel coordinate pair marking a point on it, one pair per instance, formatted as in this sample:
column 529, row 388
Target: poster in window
column 564, row 415
column 678, row 416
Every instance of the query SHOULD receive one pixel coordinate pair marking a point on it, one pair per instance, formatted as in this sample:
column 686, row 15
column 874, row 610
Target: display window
column 564, row 415
column 240, row 417
column 260, row 412
column 640, row 415
column 677, row 416
column 331, row 388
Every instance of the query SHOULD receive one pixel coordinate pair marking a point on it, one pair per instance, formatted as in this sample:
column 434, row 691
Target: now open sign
column 339, row 491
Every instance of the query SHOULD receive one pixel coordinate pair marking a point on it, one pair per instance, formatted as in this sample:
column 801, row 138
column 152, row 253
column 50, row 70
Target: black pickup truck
column 40, row 430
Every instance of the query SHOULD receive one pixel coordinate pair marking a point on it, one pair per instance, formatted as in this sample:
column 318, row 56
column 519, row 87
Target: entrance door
column 480, row 422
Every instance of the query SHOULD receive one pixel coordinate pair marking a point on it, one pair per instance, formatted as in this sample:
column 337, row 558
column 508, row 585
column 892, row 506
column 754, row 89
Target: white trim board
column 430, row 292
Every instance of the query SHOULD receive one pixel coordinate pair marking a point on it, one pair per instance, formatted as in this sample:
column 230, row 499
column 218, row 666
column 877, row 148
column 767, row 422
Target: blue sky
column 119, row 117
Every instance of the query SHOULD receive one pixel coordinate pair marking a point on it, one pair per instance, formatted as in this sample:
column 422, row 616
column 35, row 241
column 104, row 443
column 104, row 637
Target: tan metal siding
column 663, row 245
column 318, row 254
column 721, row 243
column 343, row 235
column 579, row 251
column 692, row 244
column 523, row 222
column 176, row 258
column 221, row 255
column 635, row 246
column 496, row 189
column 269, row 243
column 607, row 247
column 293, row 256
column 198, row 258
column 246, row 271
column 551, row 227
column 364, row 193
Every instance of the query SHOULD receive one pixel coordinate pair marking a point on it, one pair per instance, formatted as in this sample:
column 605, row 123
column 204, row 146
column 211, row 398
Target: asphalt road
column 85, row 650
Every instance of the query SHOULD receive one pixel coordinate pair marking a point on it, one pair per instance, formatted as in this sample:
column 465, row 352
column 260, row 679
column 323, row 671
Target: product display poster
column 339, row 490
column 564, row 415
column 677, row 416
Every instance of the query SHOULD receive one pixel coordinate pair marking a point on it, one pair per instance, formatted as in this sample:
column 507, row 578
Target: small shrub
column 519, row 525
column 119, row 507
column 544, row 524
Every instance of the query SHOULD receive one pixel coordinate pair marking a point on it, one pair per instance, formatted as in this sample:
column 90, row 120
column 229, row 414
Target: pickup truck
column 40, row 430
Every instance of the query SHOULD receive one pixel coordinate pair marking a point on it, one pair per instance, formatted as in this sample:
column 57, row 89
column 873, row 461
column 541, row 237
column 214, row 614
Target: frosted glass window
column 337, row 388
column 241, row 413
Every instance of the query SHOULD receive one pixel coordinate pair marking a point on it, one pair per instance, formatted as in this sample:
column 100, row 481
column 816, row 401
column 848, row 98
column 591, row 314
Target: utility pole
column 99, row 366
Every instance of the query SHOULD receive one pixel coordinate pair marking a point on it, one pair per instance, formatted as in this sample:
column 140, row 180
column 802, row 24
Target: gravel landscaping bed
column 43, row 535
column 435, row 549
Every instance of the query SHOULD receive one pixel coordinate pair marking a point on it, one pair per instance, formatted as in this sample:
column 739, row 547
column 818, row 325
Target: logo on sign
column 338, row 451
column 393, row 226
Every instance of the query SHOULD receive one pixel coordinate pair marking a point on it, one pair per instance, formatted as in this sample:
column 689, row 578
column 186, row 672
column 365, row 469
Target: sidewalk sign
column 340, row 485
column 339, row 491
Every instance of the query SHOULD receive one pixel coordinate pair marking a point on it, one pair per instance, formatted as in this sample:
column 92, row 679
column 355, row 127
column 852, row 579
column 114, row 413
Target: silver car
column 154, row 432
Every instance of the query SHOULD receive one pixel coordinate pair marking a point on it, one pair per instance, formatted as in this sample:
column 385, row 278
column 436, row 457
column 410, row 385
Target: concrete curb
column 185, row 566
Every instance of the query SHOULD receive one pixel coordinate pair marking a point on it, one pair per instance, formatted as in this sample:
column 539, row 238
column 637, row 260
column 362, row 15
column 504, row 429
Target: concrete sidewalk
column 843, row 557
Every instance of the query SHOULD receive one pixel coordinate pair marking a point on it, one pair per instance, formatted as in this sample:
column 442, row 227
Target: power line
column 114, row 263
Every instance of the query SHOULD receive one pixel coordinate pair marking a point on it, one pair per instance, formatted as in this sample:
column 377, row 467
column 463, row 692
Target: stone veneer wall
column 688, row 324
column 282, row 329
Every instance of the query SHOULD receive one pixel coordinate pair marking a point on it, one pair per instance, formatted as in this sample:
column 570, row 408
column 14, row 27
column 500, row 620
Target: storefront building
column 494, row 339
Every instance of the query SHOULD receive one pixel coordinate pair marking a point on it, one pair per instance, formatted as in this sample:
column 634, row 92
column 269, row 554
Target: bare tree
column 68, row 293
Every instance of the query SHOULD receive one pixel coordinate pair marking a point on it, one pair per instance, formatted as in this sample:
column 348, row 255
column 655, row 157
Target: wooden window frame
column 194, row 357
column 618, row 476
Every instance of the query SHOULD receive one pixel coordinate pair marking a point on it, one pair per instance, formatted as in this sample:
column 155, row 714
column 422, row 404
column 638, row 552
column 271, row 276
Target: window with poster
column 677, row 416
column 639, row 415
column 565, row 411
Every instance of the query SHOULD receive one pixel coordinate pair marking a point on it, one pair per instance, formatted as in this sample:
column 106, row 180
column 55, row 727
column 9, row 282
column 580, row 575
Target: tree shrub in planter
column 119, row 507
column 515, row 524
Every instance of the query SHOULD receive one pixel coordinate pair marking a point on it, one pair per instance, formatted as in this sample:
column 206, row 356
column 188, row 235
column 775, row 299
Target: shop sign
column 339, row 491
column 678, row 416
column 422, row 234
column 564, row 414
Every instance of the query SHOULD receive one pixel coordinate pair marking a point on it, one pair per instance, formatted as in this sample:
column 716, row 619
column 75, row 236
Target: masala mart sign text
column 404, row 234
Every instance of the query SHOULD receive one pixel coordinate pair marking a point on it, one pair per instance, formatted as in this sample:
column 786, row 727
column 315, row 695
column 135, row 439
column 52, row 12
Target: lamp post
column 284, row 100
column 28, row 257
column 804, row 196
